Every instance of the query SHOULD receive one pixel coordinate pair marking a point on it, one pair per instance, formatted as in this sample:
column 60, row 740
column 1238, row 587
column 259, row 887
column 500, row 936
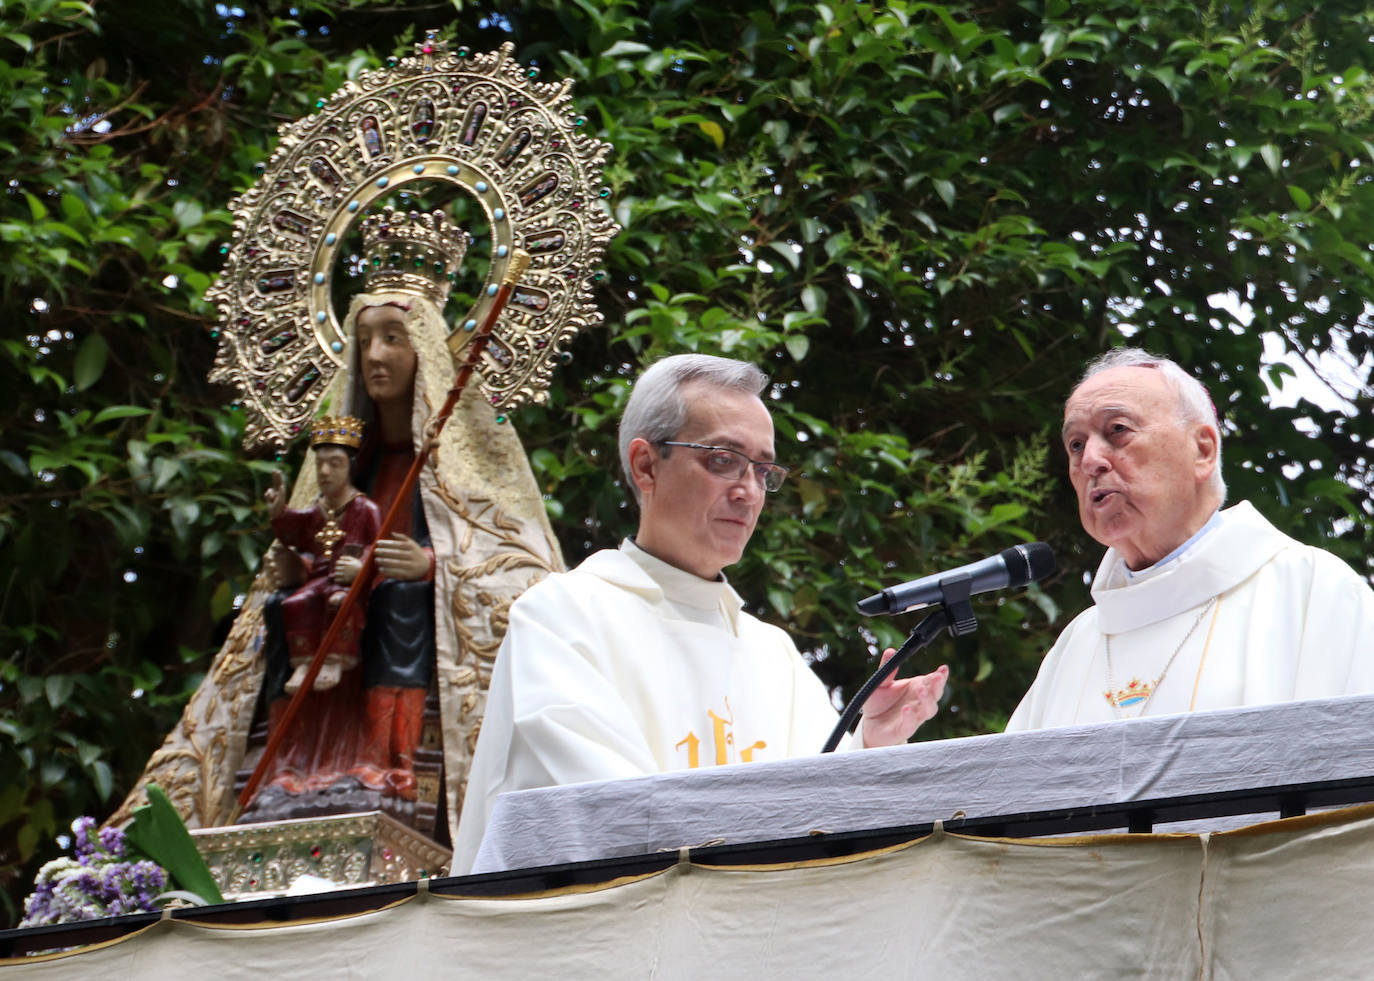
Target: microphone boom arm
column 955, row 614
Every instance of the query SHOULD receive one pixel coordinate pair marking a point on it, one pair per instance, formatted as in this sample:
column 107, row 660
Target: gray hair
column 1193, row 403
column 657, row 409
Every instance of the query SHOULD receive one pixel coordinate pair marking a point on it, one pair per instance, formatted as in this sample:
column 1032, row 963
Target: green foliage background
column 921, row 218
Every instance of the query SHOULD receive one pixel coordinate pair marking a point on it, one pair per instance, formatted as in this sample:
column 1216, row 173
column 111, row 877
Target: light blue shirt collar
column 1148, row 571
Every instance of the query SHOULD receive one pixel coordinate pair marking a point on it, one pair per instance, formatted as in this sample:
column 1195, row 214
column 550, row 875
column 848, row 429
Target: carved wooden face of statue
column 385, row 357
column 331, row 470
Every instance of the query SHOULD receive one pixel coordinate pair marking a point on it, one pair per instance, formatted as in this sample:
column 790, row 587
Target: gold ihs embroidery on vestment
column 723, row 740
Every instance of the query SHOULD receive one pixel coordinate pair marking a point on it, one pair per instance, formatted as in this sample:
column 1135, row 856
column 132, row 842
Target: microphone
column 1013, row 567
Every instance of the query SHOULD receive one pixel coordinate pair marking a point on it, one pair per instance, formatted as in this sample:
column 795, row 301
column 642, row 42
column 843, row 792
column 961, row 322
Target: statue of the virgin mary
column 475, row 533
column 474, row 536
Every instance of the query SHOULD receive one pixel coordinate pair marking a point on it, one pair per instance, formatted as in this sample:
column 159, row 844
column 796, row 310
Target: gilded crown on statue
column 336, row 431
column 412, row 252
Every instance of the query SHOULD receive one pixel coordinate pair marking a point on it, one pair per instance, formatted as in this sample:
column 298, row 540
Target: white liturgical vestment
column 1288, row 622
column 627, row 666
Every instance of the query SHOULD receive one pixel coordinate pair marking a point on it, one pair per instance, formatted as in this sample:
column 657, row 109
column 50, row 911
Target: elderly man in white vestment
column 1195, row 608
column 642, row 660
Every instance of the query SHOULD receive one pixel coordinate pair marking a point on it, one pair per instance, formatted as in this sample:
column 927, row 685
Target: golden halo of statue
column 479, row 122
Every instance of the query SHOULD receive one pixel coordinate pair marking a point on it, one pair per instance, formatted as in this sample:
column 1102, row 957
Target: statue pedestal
column 255, row 861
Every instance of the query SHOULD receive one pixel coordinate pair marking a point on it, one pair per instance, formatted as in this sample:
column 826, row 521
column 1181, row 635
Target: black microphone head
column 873, row 605
column 1028, row 563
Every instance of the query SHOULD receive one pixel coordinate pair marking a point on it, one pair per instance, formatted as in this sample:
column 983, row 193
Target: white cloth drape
column 1277, row 901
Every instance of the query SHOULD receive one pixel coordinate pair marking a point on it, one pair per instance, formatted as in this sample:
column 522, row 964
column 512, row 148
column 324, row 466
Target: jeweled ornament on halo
column 478, row 122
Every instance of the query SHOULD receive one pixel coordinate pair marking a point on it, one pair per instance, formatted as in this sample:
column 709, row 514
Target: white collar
column 1230, row 553
column 696, row 599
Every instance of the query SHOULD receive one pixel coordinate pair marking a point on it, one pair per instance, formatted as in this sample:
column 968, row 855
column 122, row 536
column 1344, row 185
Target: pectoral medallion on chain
column 1140, row 692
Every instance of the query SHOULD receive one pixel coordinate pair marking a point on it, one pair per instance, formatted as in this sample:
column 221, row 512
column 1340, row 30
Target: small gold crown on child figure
column 336, row 431
column 412, row 252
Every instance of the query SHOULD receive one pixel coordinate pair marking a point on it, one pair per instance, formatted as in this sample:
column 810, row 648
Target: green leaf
column 188, row 212
column 1300, row 197
column 626, row 48
column 104, row 779
column 1009, row 111
column 713, row 130
column 37, row 210
column 165, row 470
column 158, row 832
column 16, row 463
column 58, row 688
column 1269, row 153
column 249, row 553
column 26, row 841
column 112, row 412
column 797, row 346
column 52, row 771
column 91, row 356
column 785, row 250
column 73, row 207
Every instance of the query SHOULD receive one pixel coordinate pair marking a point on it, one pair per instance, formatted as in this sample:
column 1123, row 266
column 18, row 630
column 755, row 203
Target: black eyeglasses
column 731, row 464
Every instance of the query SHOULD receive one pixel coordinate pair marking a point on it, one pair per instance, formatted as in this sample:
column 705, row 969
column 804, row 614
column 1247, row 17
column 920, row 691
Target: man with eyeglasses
column 642, row 660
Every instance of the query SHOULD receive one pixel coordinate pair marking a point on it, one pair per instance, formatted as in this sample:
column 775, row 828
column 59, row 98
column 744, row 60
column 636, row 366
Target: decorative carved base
column 253, row 861
column 273, row 805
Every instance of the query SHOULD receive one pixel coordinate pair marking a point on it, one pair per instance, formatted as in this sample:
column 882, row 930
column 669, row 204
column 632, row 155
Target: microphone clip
column 954, row 594
column 954, row 613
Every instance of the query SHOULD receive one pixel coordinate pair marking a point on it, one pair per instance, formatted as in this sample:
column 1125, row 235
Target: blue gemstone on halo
column 418, row 169
column 491, row 290
column 498, row 214
column 330, row 239
column 481, row 187
column 336, row 346
column 470, row 325
column 383, row 181
column 321, row 317
column 353, row 206
column 501, row 251
column 452, row 170
column 319, row 279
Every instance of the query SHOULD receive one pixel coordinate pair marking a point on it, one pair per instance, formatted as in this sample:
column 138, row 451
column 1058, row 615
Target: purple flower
column 95, row 883
column 81, row 829
column 112, row 840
